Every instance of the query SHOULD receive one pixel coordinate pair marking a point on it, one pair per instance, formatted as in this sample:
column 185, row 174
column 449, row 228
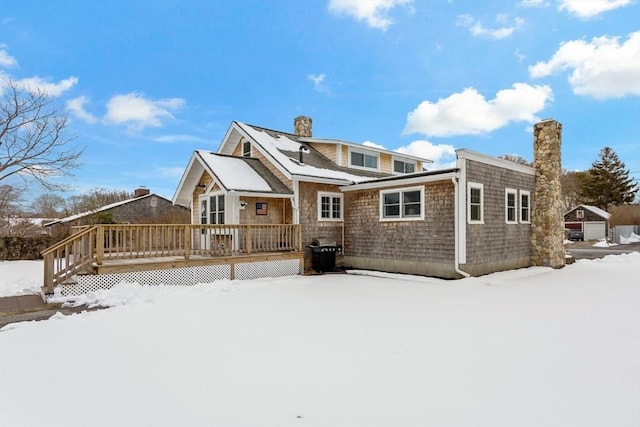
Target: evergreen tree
column 607, row 183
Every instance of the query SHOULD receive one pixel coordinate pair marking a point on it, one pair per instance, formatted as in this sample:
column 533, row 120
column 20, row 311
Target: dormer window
column 246, row 149
column 403, row 166
column 363, row 160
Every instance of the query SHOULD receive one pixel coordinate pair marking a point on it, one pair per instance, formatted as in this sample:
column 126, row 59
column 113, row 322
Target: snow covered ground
column 20, row 277
column 531, row 347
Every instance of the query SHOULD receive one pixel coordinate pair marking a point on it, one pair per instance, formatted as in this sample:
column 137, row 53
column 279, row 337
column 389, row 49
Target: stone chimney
column 141, row 191
column 302, row 126
column 547, row 218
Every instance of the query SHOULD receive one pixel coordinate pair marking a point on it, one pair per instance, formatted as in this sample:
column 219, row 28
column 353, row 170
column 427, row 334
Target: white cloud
column 477, row 29
column 38, row 84
column 76, row 106
column 373, row 145
column 589, row 8
column 6, row 60
column 138, row 112
column 603, row 68
column 373, row 12
column 318, row 82
column 442, row 155
column 469, row 113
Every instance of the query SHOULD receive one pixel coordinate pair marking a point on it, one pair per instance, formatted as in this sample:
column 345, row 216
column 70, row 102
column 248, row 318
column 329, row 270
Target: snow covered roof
column 602, row 213
column 238, row 174
column 100, row 209
column 284, row 149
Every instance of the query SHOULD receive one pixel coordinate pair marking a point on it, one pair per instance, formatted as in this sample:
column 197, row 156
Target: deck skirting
column 185, row 272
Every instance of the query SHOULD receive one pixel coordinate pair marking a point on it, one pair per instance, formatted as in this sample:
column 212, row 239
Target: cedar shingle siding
column 496, row 245
column 421, row 247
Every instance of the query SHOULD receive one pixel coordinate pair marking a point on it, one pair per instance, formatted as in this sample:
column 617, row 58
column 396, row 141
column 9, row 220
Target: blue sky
column 145, row 83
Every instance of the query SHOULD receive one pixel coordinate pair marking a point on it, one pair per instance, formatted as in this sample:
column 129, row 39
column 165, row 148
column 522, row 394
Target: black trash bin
column 323, row 256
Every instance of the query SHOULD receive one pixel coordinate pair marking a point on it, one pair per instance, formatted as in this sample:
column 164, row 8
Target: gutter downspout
column 456, row 212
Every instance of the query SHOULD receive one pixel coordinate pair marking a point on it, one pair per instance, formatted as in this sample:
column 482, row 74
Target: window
column 363, row 160
column 580, row 214
column 329, row 206
column 525, row 206
column 475, row 200
column 510, row 197
column 212, row 209
column 402, row 204
column 246, row 149
column 401, row 166
column 216, row 209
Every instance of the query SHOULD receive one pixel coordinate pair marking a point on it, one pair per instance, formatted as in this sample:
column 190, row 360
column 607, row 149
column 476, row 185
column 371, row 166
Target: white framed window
column 361, row 159
column 330, row 206
column 475, row 203
column 212, row 209
column 580, row 214
column 510, row 206
column 525, row 206
column 402, row 204
column 246, row 149
column 403, row 166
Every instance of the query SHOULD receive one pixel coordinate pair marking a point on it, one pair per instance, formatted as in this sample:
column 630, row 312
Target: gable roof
column 601, row 213
column 242, row 175
column 283, row 149
column 100, row 209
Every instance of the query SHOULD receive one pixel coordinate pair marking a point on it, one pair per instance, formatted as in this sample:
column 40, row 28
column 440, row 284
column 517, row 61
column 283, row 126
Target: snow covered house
column 270, row 203
column 381, row 209
column 591, row 220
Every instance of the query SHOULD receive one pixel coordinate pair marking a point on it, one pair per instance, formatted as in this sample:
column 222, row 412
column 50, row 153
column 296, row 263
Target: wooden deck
column 166, row 262
column 117, row 249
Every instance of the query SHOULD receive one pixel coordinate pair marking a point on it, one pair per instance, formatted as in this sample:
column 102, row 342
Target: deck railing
column 81, row 252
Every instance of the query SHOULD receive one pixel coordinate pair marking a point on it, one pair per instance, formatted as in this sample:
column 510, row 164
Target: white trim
column 395, row 158
column 295, row 201
column 494, row 161
column 386, row 182
column 461, row 204
column 258, row 194
column 320, row 180
column 470, row 186
column 420, row 188
column 514, row 192
column 339, row 154
column 364, row 152
column 528, row 194
column 331, row 196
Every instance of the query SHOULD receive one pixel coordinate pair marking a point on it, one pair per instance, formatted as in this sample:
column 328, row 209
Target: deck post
column 249, row 243
column 99, row 244
column 187, row 241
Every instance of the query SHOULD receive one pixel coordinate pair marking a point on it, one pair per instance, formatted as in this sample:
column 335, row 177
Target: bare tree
column 33, row 141
column 9, row 206
column 48, row 205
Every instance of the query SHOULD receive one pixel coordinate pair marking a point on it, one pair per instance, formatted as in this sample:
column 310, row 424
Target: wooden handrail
column 91, row 247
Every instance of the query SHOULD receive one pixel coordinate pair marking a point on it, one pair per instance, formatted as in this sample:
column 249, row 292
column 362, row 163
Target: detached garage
column 592, row 221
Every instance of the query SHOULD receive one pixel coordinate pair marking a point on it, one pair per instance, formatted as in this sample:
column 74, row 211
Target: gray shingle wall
column 495, row 240
column 430, row 240
column 143, row 211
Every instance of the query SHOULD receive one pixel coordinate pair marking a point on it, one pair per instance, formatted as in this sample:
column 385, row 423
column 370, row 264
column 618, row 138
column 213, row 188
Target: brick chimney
column 547, row 234
column 141, row 191
column 302, row 126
